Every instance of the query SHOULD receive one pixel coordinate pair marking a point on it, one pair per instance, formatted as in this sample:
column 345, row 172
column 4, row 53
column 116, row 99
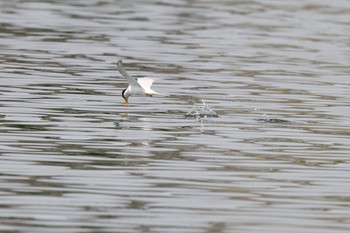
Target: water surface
column 73, row 158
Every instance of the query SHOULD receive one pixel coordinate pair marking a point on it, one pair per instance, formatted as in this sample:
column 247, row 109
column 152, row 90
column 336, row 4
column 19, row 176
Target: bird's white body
column 137, row 87
column 143, row 88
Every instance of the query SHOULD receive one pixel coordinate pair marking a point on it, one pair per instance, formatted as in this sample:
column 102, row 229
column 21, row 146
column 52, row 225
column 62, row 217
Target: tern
column 137, row 87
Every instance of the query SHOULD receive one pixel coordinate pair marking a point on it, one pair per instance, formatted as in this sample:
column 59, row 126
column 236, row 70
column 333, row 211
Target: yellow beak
column 126, row 101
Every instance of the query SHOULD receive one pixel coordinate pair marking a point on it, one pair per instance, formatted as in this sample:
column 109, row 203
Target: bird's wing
column 145, row 83
column 132, row 81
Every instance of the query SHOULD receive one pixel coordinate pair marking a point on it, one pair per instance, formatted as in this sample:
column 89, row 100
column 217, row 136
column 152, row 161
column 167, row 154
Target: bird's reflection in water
column 138, row 122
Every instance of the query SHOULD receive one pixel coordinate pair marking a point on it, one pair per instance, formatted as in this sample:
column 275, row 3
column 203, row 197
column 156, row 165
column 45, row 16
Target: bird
column 137, row 87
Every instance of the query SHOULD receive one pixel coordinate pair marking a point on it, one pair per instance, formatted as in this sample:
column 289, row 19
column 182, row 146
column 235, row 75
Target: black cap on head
column 123, row 93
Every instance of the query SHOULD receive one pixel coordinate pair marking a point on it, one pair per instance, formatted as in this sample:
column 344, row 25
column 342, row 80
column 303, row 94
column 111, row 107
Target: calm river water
column 73, row 158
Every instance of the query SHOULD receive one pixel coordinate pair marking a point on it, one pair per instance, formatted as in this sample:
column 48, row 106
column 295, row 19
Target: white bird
column 138, row 87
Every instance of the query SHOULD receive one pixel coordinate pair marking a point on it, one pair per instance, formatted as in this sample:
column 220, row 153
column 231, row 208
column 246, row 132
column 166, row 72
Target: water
column 75, row 159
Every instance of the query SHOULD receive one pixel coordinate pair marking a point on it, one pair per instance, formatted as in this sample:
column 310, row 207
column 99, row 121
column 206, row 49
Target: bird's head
column 125, row 97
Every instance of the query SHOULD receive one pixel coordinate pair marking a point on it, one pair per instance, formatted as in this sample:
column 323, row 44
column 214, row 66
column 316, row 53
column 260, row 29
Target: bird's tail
column 151, row 92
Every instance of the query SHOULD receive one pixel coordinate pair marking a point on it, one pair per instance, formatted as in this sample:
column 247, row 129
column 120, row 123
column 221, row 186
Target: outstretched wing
column 145, row 83
column 132, row 81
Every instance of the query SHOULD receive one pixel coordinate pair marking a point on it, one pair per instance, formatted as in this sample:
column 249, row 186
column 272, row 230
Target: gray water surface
column 73, row 158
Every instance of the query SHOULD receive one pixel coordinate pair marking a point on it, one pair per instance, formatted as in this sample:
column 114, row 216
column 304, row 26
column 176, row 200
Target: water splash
column 201, row 111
